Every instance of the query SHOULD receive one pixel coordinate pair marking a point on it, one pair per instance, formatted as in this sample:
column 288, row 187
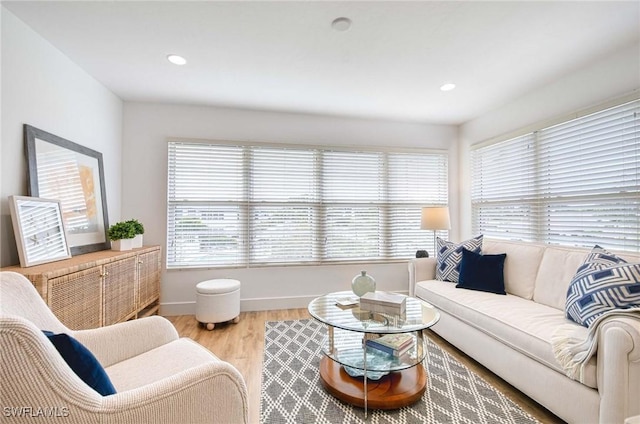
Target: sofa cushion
column 603, row 282
column 449, row 256
column 629, row 256
column 521, row 324
column 162, row 362
column 520, row 266
column 558, row 266
column 482, row 272
column 82, row 362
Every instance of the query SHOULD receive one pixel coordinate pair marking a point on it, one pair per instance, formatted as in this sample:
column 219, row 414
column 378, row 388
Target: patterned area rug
column 292, row 392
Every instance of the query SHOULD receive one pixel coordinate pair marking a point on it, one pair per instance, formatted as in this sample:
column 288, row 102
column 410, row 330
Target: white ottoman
column 217, row 301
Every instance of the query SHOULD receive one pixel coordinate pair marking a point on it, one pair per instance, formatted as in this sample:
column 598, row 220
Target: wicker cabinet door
column 76, row 298
column 119, row 288
column 148, row 278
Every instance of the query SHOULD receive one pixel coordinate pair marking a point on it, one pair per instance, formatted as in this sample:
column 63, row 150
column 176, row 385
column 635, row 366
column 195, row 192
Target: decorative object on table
column 393, row 344
column 39, row 230
column 383, row 302
column 452, row 387
column 449, row 257
column 74, row 174
column 138, row 228
column 376, row 360
column 422, row 254
column 121, row 235
column 435, row 218
column 363, row 283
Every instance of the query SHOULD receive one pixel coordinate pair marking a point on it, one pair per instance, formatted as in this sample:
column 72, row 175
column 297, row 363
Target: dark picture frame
column 63, row 170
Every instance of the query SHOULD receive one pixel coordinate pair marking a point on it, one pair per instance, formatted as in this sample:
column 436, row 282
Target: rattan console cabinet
column 99, row 288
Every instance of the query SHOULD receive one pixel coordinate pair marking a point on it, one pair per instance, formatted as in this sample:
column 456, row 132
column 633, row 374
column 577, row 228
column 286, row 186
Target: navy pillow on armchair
column 82, row 362
column 482, row 272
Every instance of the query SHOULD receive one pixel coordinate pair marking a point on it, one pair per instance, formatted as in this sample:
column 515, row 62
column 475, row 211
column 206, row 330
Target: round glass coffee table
column 391, row 382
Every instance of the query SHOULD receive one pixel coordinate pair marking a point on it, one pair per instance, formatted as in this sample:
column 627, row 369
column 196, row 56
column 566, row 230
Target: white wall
column 146, row 129
column 611, row 77
column 43, row 88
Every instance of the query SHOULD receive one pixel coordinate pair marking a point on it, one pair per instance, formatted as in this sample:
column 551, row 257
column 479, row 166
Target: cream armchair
column 159, row 377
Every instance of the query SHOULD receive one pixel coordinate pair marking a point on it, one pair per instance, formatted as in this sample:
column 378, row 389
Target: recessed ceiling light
column 341, row 24
column 448, row 87
column 176, row 60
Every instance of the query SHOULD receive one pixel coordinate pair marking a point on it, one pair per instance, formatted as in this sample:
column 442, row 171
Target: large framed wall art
column 73, row 174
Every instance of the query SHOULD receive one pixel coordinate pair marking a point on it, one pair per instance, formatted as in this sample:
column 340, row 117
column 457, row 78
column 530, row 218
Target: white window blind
column 281, row 207
column 413, row 181
column 575, row 183
column 206, row 217
column 249, row 205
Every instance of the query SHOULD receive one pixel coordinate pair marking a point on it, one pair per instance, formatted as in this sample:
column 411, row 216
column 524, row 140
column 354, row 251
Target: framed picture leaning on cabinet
column 39, row 229
column 61, row 169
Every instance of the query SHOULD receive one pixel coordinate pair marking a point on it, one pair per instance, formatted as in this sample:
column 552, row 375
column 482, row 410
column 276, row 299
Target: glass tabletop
column 326, row 309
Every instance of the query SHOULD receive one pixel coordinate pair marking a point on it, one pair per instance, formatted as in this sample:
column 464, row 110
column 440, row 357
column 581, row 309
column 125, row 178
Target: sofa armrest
column 33, row 374
column 212, row 392
column 420, row 269
column 619, row 369
column 117, row 342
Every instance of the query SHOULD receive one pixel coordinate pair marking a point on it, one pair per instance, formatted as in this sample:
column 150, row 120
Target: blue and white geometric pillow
column 603, row 282
column 600, row 256
column 449, row 256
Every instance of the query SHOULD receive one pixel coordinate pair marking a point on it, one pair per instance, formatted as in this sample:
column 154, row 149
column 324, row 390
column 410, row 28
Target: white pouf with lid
column 217, row 301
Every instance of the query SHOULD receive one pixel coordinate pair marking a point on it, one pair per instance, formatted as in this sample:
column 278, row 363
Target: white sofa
column 511, row 335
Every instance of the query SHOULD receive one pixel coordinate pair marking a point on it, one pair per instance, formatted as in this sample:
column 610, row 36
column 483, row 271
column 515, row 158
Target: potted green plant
column 121, row 235
column 138, row 228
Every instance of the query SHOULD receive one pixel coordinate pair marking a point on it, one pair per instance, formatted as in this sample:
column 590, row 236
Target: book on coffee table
column 347, row 301
column 393, row 344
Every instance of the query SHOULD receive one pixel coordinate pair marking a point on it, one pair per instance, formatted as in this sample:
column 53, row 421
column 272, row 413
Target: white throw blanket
column 573, row 351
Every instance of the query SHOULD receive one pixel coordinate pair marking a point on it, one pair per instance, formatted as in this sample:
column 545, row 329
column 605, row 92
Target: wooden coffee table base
column 393, row 391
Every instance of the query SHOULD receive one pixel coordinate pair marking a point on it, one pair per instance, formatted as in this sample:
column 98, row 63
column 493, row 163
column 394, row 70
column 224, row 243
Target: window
column 248, row 205
column 575, row 183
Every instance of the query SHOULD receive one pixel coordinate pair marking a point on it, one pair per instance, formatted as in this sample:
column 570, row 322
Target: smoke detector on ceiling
column 341, row 24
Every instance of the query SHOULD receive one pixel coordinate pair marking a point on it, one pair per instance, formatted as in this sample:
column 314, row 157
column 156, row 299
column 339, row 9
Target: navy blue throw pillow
column 82, row 362
column 482, row 272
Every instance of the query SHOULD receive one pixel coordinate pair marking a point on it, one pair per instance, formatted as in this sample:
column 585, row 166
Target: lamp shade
column 435, row 218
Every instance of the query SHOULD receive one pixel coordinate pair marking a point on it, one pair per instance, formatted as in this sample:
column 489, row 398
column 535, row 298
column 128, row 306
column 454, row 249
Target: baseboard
column 177, row 308
column 273, row 303
column 260, row 304
column 256, row 304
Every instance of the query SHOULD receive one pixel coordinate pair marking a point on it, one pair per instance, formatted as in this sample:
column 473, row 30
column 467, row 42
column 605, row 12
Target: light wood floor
column 242, row 345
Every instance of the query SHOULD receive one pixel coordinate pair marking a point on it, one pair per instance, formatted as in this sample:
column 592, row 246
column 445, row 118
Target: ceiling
column 285, row 56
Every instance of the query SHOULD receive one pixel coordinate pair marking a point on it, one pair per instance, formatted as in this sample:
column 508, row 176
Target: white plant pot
column 136, row 241
column 122, row 244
